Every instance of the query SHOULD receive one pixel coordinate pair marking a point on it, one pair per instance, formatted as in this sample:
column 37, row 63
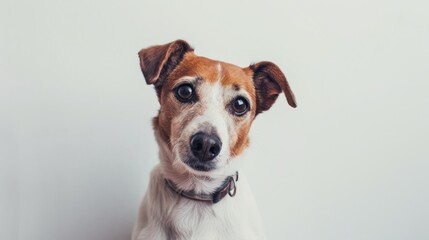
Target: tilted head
column 207, row 106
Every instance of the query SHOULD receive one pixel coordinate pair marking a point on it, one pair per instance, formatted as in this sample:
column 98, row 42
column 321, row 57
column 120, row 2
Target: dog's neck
column 187, row 179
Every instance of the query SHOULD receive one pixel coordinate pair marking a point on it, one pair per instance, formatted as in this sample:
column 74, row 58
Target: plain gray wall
column 351, row 162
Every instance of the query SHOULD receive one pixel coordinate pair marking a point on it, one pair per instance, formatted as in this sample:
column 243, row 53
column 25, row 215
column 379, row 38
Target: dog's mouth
column 200, row 166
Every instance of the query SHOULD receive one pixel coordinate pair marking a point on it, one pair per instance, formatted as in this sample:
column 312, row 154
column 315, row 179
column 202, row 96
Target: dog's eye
column 240, row 106
column 185, row 93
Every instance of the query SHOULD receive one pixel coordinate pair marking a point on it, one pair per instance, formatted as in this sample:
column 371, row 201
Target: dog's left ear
column 158, row 61
column 269, row 82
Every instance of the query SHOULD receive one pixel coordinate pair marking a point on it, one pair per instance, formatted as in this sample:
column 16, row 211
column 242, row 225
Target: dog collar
column 228, row 187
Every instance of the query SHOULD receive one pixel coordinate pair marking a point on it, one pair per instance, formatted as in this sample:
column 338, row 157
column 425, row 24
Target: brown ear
column 269, row 82
column 158, row 61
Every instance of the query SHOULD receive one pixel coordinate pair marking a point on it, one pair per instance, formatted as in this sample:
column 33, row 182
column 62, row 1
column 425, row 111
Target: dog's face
column 206, row 111
column 207, row 106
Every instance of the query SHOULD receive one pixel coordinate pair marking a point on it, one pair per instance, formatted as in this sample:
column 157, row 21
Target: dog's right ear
column 269, row 82
column 158, row 61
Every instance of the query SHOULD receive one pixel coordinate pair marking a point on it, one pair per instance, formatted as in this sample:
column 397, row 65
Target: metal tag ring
column 232, row 188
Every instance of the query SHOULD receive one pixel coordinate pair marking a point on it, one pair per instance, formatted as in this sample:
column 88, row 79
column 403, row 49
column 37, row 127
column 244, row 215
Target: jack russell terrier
column 207, row 108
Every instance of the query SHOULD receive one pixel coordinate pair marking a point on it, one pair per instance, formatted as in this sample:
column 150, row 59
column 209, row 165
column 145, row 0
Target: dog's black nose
column 205, row 147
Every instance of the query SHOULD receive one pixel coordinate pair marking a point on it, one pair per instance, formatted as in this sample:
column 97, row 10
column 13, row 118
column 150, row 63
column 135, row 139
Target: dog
column 206, row 109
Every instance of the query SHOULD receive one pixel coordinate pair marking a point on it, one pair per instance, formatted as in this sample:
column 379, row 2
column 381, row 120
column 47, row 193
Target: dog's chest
column 223, row 220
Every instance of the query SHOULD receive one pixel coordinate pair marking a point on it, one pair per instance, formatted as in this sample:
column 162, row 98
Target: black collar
column 228, row 187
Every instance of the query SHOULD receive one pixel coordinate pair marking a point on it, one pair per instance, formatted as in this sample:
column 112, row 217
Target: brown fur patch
column 241, row 141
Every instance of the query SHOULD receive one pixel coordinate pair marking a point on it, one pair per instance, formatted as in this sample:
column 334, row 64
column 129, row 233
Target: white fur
column 166, row 215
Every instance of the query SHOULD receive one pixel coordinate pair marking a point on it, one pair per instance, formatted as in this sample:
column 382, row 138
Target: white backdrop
column 351, row 162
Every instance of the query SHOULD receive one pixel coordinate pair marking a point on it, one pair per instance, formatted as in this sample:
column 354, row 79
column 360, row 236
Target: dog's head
column 207, row 106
